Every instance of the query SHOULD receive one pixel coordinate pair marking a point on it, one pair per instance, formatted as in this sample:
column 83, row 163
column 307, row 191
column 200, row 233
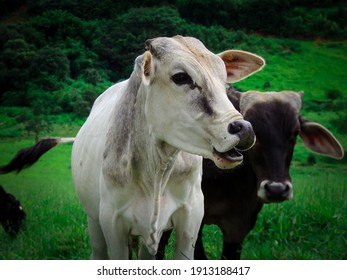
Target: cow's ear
column 240, row 64
column 146, row 68
column 319, row 139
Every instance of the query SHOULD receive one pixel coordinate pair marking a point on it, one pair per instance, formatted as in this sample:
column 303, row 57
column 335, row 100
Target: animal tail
column 28, row 156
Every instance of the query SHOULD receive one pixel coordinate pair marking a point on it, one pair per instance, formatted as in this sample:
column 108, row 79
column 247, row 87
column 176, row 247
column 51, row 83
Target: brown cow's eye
column 182, row 79
column 292, row 138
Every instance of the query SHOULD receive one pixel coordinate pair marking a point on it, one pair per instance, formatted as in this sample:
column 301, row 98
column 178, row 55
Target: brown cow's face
column 271, row 165
column 275, row 121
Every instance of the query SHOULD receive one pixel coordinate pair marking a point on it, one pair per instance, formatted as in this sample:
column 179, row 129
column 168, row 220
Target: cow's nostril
column 235, row 127
column 276, row 190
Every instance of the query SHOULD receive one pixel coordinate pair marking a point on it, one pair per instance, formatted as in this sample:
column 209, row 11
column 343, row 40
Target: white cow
column 136, row 162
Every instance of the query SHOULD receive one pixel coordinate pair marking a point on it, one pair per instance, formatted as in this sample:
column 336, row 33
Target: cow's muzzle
column 244, row 130
column 271, row 191
column 231, row 158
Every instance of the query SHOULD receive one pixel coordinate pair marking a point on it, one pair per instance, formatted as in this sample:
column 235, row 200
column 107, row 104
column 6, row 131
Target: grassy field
column 56, row 225
column 314, row 68
column 311, row 226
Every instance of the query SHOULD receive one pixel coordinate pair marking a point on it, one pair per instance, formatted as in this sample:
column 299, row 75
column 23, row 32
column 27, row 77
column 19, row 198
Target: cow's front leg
column 187, row 222
column 116, row 235
column 144, row 253
column 97, row 240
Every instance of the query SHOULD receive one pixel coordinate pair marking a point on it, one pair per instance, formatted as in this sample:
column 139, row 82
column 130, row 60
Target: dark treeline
column 302, row 18
column 57, row 56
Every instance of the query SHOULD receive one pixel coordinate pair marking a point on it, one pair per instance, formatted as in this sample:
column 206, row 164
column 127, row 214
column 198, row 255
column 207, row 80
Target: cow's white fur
column 129, row 170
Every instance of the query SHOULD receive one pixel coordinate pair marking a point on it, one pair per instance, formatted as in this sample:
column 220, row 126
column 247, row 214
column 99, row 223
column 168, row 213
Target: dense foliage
column 60, row 55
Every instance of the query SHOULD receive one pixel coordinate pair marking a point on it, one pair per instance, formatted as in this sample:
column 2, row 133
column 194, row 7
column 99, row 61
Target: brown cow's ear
column 147, row 67
column 239, row 64
column 319, row 139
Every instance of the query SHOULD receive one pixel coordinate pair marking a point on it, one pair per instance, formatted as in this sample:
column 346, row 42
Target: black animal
column 12, row 215
column 233, row 198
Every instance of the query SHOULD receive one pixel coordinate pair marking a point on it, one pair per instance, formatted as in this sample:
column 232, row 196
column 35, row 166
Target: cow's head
column 12, row 214
column 186, row 103
column 276, row 122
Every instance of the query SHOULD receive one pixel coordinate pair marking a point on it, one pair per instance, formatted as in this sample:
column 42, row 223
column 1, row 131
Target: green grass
column 316, row 68
column 311, row 226
column 56, row 225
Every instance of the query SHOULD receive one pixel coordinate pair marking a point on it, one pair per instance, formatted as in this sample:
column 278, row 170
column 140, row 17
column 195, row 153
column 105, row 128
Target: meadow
column 311, row 226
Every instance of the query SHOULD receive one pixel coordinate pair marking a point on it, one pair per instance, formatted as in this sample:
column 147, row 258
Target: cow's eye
column 182, row 79
column 292, row 138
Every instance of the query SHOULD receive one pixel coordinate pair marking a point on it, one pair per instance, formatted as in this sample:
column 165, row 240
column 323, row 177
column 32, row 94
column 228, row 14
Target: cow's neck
column 133, row 154
column 154, row 159
column 150, row 154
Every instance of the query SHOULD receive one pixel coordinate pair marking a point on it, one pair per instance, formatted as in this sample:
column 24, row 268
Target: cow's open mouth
column 227, row 160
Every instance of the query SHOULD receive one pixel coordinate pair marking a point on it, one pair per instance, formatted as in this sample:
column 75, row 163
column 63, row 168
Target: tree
column 122, row 39
column 8, row 6
column 15, row 61
column 59, row 24
column 50, row 62
column 80, row 57
column 36, row 118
